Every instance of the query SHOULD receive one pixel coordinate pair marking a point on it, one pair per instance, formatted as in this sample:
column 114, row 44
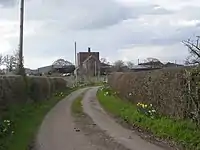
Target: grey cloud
column 198, row 25
column 175, row 36
column 161, row 35
column 88, row 14
column 81, row 15
column 125, row 13
column 8, row 3
column 113, row 15
column 149, row 10
column 104, row 40
column 105, row 25
column 189, row 12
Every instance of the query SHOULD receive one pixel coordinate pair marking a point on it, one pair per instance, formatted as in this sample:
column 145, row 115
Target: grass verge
column 184, row 133
column 27, row 119
column 76, row 107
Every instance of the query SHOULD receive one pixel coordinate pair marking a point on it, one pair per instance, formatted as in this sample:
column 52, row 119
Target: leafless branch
column 194, row 50
column 1, row 59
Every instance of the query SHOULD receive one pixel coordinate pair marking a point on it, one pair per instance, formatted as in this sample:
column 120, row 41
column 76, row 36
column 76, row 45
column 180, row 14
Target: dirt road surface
column 57, row 130
column 98, row 131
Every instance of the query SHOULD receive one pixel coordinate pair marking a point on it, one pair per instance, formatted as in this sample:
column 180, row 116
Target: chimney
column 89, row 50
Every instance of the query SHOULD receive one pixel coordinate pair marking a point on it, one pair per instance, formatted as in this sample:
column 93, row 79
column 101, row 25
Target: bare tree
column 10, row 62
column 1, row 62
column 17, row 59
column 130, row 64
column 104, row 60
column 194, row 50
column 1, row 59
column 119, row 65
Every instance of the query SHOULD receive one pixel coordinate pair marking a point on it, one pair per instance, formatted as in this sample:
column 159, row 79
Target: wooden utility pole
column 95, row 68
column 76, row 66
column 21, row 67
column 75, row 53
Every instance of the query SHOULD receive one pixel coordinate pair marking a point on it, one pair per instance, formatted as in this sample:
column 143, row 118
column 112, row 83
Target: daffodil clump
column 107, row 90
column 106, row 94
column 146, row 109
column 6, row 128
column 60, row 94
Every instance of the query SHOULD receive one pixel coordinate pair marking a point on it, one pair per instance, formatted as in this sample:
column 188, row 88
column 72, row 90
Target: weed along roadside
column 183, row 134
column 76, row 106
column 24, row 105
column 21, row 122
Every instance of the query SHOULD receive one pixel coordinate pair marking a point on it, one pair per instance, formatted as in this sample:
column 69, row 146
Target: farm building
column 89, row 64
column 59, row 66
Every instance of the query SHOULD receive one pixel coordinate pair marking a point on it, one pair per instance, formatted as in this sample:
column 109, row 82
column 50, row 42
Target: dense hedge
column 175, row 92
column 16, row 89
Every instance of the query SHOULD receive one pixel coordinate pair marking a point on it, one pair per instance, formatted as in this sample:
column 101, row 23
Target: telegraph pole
column 75, row 52
column 21, row 67
column 95, row 68
column 76, row 73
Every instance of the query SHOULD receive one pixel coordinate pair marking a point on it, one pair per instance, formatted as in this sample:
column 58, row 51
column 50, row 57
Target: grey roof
column 61, row 63
column 140, row 67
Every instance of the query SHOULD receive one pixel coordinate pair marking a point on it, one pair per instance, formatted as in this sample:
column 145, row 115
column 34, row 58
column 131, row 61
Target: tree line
column 193, row 46
column 10, row 62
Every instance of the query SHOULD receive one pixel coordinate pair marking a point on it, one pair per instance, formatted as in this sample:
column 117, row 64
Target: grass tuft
column 76, row 107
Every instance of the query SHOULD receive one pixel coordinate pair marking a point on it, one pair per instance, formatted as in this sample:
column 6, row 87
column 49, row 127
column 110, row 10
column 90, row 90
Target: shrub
column 12, row 90
column 174, row 92
column 39, row 88
column 15, row 92
column 16, row 89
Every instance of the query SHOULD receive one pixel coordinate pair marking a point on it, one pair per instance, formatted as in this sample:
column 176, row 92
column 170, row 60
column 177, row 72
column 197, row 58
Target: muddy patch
column 96, row 136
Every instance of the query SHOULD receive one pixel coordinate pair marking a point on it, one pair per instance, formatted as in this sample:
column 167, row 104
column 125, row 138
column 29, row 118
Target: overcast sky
column 118, row 29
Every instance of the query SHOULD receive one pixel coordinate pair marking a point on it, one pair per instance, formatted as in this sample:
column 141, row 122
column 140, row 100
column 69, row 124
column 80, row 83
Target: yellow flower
column 145, row 106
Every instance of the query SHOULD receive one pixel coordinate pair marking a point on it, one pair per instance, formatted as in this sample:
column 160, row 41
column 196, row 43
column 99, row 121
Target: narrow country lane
column 57, row 130
column 61, row 131
column 101, row 132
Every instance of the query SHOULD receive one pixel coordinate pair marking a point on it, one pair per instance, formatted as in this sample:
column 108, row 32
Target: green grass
column 76, row 107
column 182, row 132
column 27, row 119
